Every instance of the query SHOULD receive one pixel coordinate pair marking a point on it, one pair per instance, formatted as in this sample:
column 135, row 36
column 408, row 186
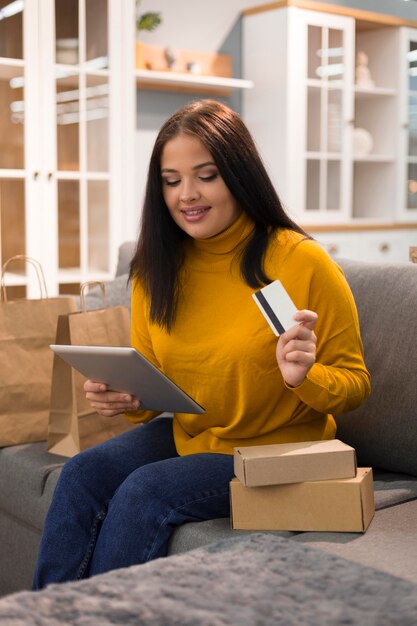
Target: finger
column 307, row 318
column 115, row 406
column 91, row 385
column 298, row 332
column 109, row 396
column 303, row 358
column 295, row 345
column 108, row 412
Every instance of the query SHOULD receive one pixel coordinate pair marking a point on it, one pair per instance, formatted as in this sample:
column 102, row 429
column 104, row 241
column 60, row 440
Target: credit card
column 276, row 306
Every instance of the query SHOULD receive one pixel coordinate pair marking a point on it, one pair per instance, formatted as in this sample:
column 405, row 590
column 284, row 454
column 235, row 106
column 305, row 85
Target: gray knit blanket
column 254, row 580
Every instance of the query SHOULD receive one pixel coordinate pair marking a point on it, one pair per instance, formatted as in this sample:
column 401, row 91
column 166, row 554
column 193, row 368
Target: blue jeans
column 117, row 504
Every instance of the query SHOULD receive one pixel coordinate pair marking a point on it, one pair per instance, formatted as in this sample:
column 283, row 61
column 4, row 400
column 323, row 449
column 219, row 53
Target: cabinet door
column 321, row 61
column 79, row 55
column 408, row 161
column 62, row 126
column 19, row 171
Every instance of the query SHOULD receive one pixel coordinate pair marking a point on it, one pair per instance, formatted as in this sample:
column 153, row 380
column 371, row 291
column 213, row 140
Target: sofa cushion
column 383, row 430
column 389, row 544
column 28, row 474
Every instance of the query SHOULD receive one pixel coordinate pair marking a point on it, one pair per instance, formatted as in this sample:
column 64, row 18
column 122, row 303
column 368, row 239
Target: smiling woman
column 213, row 232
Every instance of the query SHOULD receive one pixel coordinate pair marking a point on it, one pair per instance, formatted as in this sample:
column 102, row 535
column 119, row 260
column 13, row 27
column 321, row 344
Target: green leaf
column 148, row 21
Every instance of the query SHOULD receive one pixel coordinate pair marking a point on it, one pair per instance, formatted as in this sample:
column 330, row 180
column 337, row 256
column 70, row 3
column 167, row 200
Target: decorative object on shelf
column 362, row 142
column 67, row 51
column 194, row 67
column 413, row 254
column 147, row 21
column 171, row 56
column 363, row 76
column 201, row 63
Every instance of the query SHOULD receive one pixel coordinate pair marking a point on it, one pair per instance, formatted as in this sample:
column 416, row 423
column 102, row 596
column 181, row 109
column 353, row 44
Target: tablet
column 126, row 370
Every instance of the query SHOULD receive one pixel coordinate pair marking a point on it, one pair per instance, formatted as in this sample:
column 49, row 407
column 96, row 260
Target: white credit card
column 276, row 306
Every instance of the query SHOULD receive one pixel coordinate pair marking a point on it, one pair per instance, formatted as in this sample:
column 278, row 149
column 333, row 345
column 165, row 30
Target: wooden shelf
column 165, row 80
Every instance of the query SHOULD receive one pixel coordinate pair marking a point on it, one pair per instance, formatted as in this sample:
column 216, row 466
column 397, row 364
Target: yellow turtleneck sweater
column 221, row 350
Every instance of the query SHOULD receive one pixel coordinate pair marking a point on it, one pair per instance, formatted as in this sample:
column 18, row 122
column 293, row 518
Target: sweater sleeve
column 339, row 380
column 141, row 340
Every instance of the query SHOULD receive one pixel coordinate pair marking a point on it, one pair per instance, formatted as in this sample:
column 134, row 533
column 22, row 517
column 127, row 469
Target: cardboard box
column 294, row 462
column 342, row 505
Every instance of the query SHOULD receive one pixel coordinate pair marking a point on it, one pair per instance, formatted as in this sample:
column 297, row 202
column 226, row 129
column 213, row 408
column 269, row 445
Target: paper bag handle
column 39, row 274
column 86, row 285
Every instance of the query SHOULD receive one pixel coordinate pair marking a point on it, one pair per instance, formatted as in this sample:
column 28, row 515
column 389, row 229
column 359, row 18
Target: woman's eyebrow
column 195, row 167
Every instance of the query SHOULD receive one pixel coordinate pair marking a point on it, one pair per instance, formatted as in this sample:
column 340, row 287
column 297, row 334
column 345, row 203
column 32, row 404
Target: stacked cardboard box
column 306, row 486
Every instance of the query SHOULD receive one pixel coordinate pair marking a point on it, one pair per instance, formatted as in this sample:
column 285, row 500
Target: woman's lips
column 195, row 214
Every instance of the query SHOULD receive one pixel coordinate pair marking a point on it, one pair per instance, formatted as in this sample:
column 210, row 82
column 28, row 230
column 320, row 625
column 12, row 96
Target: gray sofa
column 383, row 431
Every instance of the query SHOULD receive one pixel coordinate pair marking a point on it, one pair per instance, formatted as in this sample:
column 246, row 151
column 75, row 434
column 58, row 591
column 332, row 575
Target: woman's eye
column 207, row 179
column 171, row 183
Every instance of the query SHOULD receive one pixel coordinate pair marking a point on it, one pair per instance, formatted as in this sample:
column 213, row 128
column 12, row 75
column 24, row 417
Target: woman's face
column 194, row 192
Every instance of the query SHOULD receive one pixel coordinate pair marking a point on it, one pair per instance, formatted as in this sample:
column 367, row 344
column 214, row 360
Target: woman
column 213, row 232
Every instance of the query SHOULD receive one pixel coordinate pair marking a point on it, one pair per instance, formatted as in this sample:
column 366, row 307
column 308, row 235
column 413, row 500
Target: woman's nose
column 189, row 192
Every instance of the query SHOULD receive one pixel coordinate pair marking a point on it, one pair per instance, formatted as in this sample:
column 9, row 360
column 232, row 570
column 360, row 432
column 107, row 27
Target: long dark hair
column 159, row 253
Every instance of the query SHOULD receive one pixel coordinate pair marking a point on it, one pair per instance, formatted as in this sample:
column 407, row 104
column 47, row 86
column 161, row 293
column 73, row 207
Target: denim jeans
column 117, row 504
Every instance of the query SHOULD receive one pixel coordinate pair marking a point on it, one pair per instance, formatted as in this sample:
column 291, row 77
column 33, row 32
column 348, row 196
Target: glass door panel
column 334, row 120
column 68, row 120
column 325, row 114
column 97, row 47
column 12, row 111
column 335, row 55
column 11, row 29
column 313, row 119
column 314, row 51
column 411, row 145
column 66, row 32
column 412, row 66
column 69, row 253
column 12, row 218
column 98, row 225
column 412, row 186
column 97, row 117
column 312, row 201
column 412, row 125
column 333, row 186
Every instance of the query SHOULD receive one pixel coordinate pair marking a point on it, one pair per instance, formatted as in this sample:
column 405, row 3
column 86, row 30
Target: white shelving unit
column 306, row 106
column 61, row 137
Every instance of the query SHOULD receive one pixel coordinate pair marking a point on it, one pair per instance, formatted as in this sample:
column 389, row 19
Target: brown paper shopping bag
column 73, row 424
column 27, row 327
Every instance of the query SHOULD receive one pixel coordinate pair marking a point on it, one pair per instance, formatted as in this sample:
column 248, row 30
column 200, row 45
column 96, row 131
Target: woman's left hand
column 296, row 348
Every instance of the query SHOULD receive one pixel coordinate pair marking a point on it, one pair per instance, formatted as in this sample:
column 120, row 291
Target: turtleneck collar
column 228, row 240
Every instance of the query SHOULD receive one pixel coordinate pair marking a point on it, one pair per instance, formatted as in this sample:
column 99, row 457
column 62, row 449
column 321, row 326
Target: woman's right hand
column 107, row 402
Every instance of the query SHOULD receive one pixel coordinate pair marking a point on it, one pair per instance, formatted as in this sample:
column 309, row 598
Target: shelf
column 12, row 279
column 374, row 92
column 327, row 156
column 319, row 83
column 154, row 78
column 374, row 158
column 11, row 68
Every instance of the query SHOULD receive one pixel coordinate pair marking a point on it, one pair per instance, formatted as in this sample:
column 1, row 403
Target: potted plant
column 144, row 21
